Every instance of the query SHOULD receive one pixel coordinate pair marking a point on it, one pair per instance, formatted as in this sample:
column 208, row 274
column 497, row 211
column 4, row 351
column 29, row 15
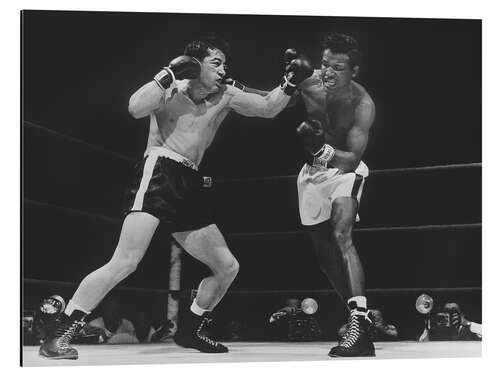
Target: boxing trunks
column 169, row 187
column 318, row 187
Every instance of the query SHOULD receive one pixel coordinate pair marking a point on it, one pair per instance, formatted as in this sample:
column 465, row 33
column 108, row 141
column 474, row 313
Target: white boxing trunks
column 318, row 187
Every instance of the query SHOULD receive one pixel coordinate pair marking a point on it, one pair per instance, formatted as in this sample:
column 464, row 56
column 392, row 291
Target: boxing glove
column 297, row 69
column 182, row 67
column 290, row 55
column 313, row 138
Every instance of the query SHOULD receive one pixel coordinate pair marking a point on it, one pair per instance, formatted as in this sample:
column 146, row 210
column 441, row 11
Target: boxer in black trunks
column 186, row 102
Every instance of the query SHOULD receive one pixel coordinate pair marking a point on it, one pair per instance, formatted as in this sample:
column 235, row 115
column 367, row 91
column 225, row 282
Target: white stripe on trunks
column 147, row 172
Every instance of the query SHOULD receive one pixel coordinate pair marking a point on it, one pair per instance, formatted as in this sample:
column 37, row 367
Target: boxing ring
column 83, row 219
column 165, row 353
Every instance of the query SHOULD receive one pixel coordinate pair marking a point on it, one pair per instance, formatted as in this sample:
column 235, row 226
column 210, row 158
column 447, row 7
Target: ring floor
column 165, row 353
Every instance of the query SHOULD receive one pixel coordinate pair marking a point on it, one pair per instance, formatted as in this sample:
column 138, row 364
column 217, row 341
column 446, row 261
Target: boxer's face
column 213, row 70
column 335, row 70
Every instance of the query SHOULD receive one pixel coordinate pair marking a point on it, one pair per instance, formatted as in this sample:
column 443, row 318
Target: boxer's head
column 212, row 53
column 340, row 60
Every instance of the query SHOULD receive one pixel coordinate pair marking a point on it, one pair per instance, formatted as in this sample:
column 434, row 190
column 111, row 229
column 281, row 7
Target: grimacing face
column 335, row 70
column 213, row 70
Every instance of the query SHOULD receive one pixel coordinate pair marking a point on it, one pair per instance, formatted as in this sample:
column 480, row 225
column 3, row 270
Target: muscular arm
column 145, row 100
column 357, row 139
column 293, row 99
column 249, row 104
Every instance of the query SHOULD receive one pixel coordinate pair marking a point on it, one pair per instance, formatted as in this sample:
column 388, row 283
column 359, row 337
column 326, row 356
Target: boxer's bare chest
column 335, row 112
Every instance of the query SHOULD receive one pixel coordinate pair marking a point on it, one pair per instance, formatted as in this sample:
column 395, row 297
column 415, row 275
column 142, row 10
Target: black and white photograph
column 225, row 188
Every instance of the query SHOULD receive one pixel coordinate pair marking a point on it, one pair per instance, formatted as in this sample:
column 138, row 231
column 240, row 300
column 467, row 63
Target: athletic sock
column 357, row 303
column 197, row 310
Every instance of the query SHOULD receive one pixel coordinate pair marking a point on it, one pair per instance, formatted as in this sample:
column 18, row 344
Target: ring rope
column 372, row 229
column 73, row 284
column 277, row 233
column 373, row 172
column 79, row 141
column 72, row 211
column 282, row 291
column 373, row 290
column 230, row 180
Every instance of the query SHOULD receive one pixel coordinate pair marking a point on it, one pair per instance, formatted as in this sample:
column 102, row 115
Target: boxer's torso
column 336, row 112
column 184, row 126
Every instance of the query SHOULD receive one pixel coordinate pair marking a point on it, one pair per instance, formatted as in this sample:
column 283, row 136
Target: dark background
column 80, row 68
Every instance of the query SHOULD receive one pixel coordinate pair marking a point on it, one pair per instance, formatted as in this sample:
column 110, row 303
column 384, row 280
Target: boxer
column 340, row 115
column 186, row 103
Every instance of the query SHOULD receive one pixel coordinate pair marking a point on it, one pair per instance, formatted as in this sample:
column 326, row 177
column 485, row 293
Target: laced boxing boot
column 56, row 344
column 356, row 341
column 193, row 334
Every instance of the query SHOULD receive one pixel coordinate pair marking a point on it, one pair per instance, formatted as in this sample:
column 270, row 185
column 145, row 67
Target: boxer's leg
column 330, row 261
column 209, row 247
column 137, row 230
column 356, row 341
column 343, row 216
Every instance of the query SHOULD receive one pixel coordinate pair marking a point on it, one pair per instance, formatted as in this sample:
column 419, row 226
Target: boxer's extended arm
column 357, row 139
column 270, row 105
column 293, row 100
column 256, row 91
column 242, row 87
column 248, row 104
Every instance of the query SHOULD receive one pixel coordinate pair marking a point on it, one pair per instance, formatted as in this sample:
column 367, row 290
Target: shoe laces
column 354, row 330
column 204, row 323
column 66, row 333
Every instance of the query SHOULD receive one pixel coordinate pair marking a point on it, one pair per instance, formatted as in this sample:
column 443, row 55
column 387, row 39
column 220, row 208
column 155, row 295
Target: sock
column 357, row 303
column 197, row 310
column 72, row 307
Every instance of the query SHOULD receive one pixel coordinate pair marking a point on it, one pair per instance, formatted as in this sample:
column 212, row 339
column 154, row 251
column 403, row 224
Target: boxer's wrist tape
column 287, row 86
column 324, row 155
column 288, row 83
column 164, row 78
column 238, row 85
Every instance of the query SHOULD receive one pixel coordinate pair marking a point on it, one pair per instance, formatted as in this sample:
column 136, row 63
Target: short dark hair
column 343, row 43
column 199, row 47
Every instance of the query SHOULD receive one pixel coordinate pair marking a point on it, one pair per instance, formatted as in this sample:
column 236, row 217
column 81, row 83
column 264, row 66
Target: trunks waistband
column 163, row 151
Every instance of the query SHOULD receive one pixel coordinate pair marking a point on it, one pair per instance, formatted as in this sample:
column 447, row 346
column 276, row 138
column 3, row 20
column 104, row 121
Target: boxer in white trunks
column 340, row 115
column 186, row 102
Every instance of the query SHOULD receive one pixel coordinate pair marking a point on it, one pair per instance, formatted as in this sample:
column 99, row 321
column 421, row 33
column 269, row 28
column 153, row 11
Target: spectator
column 117, row 329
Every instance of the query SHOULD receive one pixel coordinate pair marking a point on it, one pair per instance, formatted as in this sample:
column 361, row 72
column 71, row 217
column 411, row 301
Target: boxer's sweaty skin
column 188, row 128
column 336, row 112
column 344, row 108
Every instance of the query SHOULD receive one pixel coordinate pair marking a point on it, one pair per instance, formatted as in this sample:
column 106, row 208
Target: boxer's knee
column 228, row 272
column 124, row 263
column 342, row 236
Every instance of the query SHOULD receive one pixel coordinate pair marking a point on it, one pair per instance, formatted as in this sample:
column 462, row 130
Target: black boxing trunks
column 169, row 187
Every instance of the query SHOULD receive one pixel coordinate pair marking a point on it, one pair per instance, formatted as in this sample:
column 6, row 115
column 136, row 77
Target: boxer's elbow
column 135, row 108
column 270, row 112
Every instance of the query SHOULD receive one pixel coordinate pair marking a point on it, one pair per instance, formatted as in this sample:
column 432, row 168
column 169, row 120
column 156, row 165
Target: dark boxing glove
column 297, row 69
column 290, row 55
column 182, row 67
column 313, row 138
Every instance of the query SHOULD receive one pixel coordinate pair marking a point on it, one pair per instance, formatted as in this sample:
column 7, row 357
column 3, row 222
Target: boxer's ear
column 355, row 71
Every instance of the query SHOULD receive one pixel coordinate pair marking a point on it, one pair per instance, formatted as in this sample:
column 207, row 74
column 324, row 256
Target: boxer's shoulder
column 361, row 92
